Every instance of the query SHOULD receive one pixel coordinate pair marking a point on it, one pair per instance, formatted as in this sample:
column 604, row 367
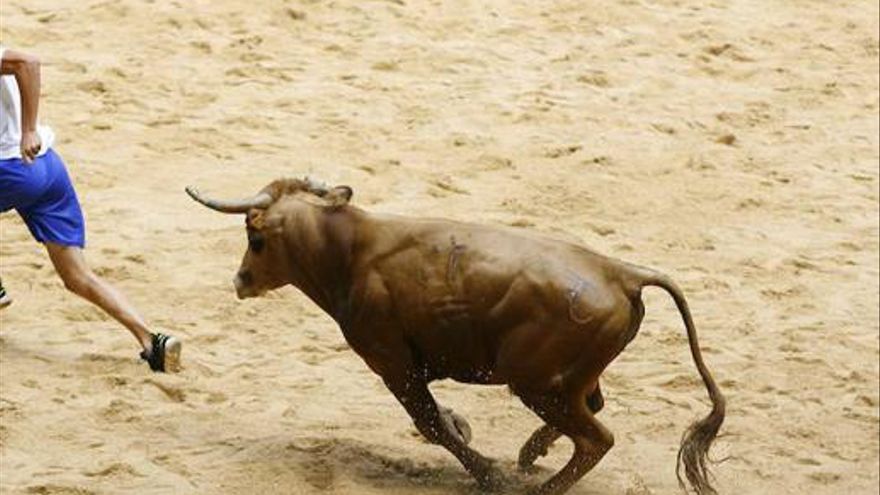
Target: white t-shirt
column 10, row 120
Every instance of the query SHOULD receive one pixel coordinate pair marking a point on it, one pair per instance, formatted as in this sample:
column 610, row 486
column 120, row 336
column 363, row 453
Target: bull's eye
column 256, row 243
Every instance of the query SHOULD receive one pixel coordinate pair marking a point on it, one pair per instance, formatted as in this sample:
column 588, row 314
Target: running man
column 34, row 181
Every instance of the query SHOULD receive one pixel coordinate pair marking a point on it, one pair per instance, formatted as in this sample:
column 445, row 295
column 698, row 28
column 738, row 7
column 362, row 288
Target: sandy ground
column 733, row 145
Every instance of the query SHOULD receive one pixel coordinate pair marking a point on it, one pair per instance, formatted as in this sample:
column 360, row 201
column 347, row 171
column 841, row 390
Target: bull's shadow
column 334, row 464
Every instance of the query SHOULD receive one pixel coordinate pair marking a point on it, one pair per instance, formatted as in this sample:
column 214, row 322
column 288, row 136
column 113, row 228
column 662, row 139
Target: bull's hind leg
column 569, row 415
column 541, row 440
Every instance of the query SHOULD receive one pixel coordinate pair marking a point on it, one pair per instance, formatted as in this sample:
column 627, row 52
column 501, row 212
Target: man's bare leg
column 78, row 278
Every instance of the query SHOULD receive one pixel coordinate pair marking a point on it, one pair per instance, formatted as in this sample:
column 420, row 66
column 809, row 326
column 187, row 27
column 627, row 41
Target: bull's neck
column 321, row 255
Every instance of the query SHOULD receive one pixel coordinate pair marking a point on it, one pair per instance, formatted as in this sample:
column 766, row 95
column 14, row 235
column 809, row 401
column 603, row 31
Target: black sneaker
column 5, row 300
column 165, row 356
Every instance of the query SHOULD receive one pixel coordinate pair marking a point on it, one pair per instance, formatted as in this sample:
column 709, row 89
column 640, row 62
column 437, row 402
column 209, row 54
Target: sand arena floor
column 733, row 145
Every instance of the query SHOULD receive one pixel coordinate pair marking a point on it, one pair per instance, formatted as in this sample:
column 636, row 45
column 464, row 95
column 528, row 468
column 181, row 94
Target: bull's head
column 282, row 214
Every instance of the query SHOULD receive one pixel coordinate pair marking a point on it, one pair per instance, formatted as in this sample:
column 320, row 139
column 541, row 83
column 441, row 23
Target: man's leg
column 78, row 278
column 162, row 352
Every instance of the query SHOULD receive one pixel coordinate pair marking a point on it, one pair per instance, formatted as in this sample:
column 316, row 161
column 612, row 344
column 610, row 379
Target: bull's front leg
column 433, row 423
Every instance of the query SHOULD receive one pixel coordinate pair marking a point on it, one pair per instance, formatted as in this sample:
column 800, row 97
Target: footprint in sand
column 114, row 470
column 49, row 489
column 83, row 314
column 120, row 411
column 175, row 394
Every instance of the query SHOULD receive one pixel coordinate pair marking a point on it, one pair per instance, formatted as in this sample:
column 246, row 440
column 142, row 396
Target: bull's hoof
column 492, row 480
column 536, row 446
column 456, row 425
column 527, row 457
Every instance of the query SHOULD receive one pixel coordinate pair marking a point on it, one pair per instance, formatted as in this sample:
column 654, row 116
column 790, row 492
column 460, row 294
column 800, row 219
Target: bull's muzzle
column 243, row 285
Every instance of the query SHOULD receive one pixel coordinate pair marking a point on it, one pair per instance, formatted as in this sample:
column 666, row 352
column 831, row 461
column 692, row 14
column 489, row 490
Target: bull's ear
column 261, row 221
column 257, row 219
column 339, row 195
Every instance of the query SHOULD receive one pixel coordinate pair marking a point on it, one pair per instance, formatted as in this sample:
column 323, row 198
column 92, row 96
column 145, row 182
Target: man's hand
column 30, row 146
column 26, row 69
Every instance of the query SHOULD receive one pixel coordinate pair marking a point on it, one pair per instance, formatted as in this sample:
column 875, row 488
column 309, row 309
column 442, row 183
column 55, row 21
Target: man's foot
column 5, row 300
column 165, row 355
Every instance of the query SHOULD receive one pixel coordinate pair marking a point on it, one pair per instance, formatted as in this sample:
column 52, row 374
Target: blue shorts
column 43, row 195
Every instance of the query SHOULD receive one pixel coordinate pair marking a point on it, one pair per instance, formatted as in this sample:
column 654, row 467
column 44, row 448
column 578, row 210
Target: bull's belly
column 461, row 352
column 464, row 373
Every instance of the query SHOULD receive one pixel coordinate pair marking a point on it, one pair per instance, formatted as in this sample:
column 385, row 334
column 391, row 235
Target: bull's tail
column 696, row 441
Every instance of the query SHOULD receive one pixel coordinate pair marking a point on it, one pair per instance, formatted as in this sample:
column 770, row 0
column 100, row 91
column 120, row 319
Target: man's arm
column 26, row 70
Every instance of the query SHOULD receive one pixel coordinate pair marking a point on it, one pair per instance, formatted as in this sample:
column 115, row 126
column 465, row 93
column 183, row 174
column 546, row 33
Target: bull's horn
column 262, row 200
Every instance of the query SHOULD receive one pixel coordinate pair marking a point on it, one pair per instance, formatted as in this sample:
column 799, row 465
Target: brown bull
column 421, row 300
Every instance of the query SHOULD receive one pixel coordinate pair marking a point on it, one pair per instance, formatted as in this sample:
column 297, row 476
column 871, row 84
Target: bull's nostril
column 245, row 278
